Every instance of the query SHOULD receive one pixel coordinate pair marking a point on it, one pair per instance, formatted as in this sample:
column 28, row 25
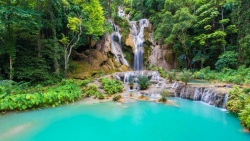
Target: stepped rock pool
column 135, row 121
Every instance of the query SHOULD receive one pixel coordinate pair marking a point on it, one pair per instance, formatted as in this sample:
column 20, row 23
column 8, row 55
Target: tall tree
column 16, row 19
column 93, row 21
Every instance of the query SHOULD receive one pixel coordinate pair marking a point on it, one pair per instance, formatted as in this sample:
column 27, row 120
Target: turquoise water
column 137, row 121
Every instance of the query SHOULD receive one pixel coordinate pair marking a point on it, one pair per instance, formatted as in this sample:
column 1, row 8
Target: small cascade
column 196, row 94
column 225, row 101
column 121, row 12
column 138, row 39
column 205, row 94
column 155, row 76
column 175, row 85
column 183, row 94
column 124, row 76
column 116, row 45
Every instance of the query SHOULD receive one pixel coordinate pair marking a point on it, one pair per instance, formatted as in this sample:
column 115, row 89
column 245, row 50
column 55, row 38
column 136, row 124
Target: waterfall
column 204, row 94
column 138, row 39
column 225, row 101
column 121, row 12
column 124, row 76
column 196, row 94
column 116, row 45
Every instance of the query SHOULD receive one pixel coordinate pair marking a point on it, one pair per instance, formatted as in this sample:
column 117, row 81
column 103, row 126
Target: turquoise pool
column 136, row 121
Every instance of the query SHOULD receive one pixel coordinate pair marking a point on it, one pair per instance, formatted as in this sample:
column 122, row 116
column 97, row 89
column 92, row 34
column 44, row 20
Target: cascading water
column 225, row 101
column 121, row 12
column 124, row 76
column 138, row 39
column 116, row 45
column 205, row 94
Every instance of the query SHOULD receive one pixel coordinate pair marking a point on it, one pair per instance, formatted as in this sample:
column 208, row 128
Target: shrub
column 54, row 96
column 227, row 60
column 171, row 75
column 246, row 90
column 185, row 76
column 2, row 91
column 235, row 100
column 91, row 90
column 83, row 83
column 164, row 95
column 143, row 82
column 100, row 95
column 244, row 116
column 162, row 72
column 112, row 86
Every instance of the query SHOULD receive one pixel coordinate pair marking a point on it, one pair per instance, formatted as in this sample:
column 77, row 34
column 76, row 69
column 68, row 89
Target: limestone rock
column 110, row 64
column 162, row 57
column 129, row 41
column 209, row 95
column 103, row 45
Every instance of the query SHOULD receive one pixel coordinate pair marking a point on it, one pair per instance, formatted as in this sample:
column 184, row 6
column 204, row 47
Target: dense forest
column 38, row 37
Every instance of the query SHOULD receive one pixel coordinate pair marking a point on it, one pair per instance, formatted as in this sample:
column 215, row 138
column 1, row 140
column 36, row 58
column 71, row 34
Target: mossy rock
column 110, row 64
column 124, row 68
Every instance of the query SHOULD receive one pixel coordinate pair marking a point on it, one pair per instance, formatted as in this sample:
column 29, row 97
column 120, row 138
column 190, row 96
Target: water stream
column 116, row 45
column 137, row 31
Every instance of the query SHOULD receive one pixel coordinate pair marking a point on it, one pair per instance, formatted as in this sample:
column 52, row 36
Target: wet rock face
column 204, row 94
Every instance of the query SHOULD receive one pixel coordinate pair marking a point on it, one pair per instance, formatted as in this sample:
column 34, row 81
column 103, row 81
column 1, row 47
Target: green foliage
column 74, row 23
column 91, row 90
column 162, row 72
column 53, row 96
column 239, row 76
column 93, row 20
column 239, row 103
column 83, row 83
column 244, row 116
column 112, row 86
column 100, row 95
column 143, row 82
column 227, row 60
column 171, row 75
column 185, row 76
column 235, row 100
column 164, row 95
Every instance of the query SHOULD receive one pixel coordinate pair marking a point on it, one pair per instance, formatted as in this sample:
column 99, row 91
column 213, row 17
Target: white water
column 196, row 94
column 206, row 95
column 121, row 12
column 225, row 101
column 116, row 45
column 124, row 76
column 138, row 39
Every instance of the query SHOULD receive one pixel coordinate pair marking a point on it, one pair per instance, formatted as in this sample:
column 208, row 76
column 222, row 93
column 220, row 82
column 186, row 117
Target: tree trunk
column 109, row 8
column 222, row 26
column 11, row 68
column 39, row 34
column 56, row 47
column 65, row 62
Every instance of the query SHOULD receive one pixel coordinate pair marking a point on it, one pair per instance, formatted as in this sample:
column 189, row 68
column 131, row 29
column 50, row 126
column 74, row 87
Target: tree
column 16, row 19
column 93, row 20
column 183, row 20
column 74, row 24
